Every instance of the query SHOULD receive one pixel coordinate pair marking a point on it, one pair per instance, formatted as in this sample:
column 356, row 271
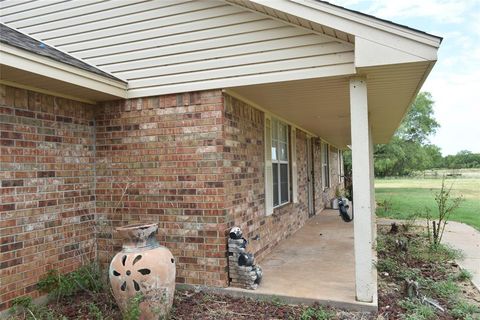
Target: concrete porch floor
column 316, row 264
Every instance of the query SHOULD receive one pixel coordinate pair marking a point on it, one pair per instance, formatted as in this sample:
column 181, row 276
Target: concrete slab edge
column 243, row 293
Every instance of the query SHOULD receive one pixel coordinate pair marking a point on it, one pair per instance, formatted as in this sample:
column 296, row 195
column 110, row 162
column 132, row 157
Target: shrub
column 446, row 205
column 87, row 278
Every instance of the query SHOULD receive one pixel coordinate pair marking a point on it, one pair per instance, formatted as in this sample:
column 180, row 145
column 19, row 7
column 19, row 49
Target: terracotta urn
column 143, row 269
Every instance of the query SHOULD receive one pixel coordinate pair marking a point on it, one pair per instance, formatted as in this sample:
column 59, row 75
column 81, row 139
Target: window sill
column 282, row 205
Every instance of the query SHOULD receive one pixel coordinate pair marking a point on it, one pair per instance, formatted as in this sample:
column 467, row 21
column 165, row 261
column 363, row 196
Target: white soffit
column 52, row 75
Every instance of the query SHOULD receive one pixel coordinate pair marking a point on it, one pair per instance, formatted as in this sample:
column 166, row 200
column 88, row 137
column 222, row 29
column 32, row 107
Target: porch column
column 362, row 189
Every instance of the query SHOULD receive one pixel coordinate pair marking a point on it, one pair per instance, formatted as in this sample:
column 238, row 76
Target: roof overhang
column 321, row 107
column 394, row 59
column 23, row 68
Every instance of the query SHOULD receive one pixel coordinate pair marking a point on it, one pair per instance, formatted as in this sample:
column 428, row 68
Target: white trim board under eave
column 30, row 62
column 48, row 92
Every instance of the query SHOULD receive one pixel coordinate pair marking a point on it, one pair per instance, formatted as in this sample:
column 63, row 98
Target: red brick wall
column 164, row 155
column 245, row 182
column 46, row 195
column 192, row 162
column 329, row 193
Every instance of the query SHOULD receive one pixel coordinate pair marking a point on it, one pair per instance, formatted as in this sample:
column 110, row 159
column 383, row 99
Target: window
column 340, row 166
column 280, row 166
column 325, row 165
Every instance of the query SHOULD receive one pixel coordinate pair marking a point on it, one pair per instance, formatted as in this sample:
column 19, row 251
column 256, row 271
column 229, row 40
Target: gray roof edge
column 381, row 20
column 23, row 41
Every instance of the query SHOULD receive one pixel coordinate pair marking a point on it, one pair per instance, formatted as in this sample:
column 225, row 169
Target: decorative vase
column 143, row 269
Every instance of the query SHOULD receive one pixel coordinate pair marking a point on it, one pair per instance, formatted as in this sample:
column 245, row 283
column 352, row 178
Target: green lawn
column 410, row 195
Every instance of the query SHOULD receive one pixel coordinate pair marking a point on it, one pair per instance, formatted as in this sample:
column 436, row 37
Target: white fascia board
column 30, row 62
column 369, row 54
column 387, row 34
column 346, row 69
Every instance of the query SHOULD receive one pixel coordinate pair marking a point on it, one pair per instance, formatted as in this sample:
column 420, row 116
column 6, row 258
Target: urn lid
column 138, row 231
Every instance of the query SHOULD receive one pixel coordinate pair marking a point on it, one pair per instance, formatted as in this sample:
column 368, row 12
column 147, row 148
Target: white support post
column 362, row 189
column 372, row 188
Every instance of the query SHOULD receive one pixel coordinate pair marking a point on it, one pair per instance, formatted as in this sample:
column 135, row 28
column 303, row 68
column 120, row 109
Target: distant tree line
column 463, row 159
column 410, row 151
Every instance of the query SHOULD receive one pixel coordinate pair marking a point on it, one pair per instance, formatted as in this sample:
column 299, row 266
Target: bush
column 87, row 278
column 446, row 205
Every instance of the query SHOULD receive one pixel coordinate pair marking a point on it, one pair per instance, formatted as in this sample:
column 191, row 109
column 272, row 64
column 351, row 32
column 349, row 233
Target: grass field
column 407, row 196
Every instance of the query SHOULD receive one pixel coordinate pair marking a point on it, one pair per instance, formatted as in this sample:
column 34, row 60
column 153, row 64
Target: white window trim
column 293, row 166
column 326, row 179
column 268, row 166
column 340, row 165
column 279, row 162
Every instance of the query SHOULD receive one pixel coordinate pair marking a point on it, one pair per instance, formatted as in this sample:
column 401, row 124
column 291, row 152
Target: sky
column 455, row 80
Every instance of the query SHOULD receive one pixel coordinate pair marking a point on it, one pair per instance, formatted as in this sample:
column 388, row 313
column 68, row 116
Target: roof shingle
column 19, row 40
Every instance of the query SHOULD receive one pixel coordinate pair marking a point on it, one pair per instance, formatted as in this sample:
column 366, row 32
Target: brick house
column 197, row 115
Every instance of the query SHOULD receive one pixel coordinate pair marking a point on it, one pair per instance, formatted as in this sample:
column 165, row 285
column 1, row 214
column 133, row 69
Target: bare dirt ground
column 402, row 255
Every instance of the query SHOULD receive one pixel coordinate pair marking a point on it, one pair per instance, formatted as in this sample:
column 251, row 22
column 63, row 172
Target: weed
column 465, row 310
column 410, row 274
column 94, row 311
column 381, row 244
column 26, row 309
column 410, row 221
column 384, row 207
column 446, row 289
column 59, row 285
column 432, row 253
column 316, row 313
column 277, row 302
column 415, row 310
column 133, row 308
column 387, row 265
column 463, row 275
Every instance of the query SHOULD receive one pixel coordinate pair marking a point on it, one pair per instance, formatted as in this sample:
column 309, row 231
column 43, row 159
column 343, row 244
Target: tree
column 409, row 150
column 419, row 122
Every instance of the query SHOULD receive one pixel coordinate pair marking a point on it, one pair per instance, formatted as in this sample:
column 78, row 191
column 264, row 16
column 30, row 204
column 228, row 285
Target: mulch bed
column 190, row 305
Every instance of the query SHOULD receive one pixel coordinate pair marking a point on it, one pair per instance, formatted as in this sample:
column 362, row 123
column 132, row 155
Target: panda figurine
column 245, row 259
column 258, row 273
column 244, row 244
column 236, row 233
